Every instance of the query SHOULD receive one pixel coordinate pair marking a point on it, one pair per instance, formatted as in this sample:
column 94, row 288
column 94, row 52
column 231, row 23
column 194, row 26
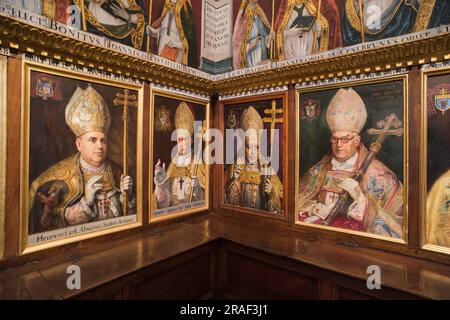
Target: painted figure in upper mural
column 33, row 6
column 86, row 186
column 119, row 20
column 56, row 10
column 175, row 32
column 377, row 201
column 252, row 36
column 432, row 14
column 185, row 180
column 438, row 211
column 301, row 31
column 246, row 184
column 382, row 19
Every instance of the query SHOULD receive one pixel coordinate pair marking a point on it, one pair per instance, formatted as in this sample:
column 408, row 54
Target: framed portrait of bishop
column 351, row 157
column 81, row 145
column 179, row 174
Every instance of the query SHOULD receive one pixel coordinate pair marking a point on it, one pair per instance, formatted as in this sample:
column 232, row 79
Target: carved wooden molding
column 42, row 42
column 47, row 43
column 397, row 56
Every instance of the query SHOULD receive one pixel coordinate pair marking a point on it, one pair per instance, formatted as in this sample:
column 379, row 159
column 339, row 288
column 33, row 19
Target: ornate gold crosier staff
column 391, row 126
column 273, row 120
column 197, row 158
column 125, row 100
column 319, row 8
column 361, row 20
column 83, row 16
column 149, row 24
column 272, row 41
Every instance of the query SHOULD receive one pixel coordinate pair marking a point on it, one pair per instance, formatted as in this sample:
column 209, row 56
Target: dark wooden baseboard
column 218, row 258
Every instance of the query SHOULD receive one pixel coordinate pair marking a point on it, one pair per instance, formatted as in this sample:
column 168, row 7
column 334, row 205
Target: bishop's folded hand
column 268, row 186
column 352, row 187
column 321, row 210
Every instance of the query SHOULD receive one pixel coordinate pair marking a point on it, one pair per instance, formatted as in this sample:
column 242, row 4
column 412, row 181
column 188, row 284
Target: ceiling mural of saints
column 303, row 31
column 123, row 21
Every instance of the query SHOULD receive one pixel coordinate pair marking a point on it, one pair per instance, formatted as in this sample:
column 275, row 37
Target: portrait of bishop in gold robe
column 183, row 184
column 376, row 201
column 438, row 209
column 86, row 186
column 249, row 184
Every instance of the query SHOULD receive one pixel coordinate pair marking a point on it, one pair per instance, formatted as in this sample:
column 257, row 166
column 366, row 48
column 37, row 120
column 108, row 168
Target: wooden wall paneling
column 291, row 155
column 14, row 97
column 145, row 154
column 3, row 153
column 214, row 105
column 251, row 274
column 346, row 288
column 219, row 167
column 187, row 276
column 414, row 99
column 190, row 275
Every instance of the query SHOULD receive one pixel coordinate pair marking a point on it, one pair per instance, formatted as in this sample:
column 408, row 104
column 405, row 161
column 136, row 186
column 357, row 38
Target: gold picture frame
column 425, row 242
column 350, row 84
column 110, row 225
column 173, row 101
column 3, row 135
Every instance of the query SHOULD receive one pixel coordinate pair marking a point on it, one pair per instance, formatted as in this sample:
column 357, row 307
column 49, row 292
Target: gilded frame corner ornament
column 27, row 68
column 158, row 92
column 423, row 212
column 316, row 88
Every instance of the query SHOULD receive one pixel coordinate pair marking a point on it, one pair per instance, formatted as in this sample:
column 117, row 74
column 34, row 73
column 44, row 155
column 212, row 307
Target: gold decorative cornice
column 40, row 41
column 392, row 57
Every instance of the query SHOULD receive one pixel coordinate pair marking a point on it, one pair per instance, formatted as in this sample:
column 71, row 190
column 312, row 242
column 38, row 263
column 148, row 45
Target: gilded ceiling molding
column 43, row 42
column 352, row 78
column 384, row 55
column 257, row 92
column 437, row 65
column 188, row 93
column 80, row 69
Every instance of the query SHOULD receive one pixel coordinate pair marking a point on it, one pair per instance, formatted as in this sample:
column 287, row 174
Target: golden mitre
column 346, row 112
column 184, row 118
column 87, row 112
column 251, row 119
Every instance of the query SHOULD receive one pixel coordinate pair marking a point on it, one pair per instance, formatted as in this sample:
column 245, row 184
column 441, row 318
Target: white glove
column 160, row 173
column 268, row 186
column 194, row 182
column 93, row 185
column 126, row 184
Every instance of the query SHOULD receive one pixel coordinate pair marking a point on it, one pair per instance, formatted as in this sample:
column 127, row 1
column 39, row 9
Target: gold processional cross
column 273, row 120
column 125, row 100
